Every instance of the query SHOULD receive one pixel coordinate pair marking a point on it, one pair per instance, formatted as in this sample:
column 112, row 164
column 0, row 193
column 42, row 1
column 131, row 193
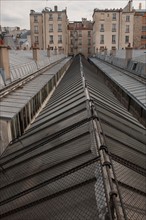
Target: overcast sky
column 16, row 13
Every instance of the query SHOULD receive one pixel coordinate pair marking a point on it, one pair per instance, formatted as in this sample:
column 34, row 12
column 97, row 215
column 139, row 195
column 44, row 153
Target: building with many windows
column 113, row 28
column 80, row 37
column 110, row 29
column 139, row 35
column 49, row 28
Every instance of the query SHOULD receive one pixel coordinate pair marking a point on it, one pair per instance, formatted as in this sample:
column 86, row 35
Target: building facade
column 80, row 37
column 110, row 29
column 113, row 28
column 139, row 33
column 49, row 28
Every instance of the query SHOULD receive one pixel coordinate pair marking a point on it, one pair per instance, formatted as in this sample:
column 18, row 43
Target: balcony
column 59, row 30
column 127, row 31
column 102, row 30
column 51, row 42
column 114, row 30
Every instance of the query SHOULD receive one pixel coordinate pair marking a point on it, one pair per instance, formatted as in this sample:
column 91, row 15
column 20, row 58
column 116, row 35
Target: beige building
column 80, row 37
column 113, row 28
column 49, row 28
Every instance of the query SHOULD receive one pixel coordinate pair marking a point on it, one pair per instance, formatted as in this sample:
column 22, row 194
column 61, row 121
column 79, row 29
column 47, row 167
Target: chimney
column 48, row 51
column 36, row 53
column 129, row 51
column 55, row 8
column 140, row 6
column 4, row 61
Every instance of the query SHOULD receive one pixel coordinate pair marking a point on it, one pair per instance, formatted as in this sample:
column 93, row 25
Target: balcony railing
column 51, row 41
column 127, row 31
column 114, row 30
column 59, row 30
column 35, row 21
column 101, row 29
column 51, row 30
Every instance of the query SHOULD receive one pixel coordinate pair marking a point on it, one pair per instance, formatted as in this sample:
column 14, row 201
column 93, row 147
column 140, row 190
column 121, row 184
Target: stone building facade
column 80, row 37
column 110, row 29
column 113, row 28
column 139, row 33
column 49, row 28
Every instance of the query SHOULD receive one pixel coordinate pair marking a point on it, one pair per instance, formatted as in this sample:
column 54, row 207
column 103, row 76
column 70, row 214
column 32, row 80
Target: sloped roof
column 53, row 170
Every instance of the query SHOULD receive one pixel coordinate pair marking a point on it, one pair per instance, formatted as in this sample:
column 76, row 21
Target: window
column 50, row 17
column 89, row 33
column 113, row 39
column 126, row 39
column 59, row 28
column 36, row 39
column 89, row 50
column 127, row 29
column 134, row 66
column 60, row 39
column 127, row 18
column 71, row 33
column 101, row 39
column 80, row 41
column 50, row 27
column 143, row 37
column 113, row 27
column 71, row 41
column 102, row 28
column 35, row 29
column 114, row 16
column 80, row 33
column 89, row 41
column 51, row 39
column 35, row 18
column 59, row 17
column 102, row 16
column 143, row 28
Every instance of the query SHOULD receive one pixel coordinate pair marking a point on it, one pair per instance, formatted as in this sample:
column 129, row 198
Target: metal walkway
column 82, row 158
